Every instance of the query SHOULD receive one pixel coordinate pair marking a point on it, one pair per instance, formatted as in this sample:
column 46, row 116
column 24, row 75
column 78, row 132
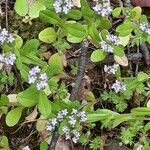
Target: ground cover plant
column 74, row 74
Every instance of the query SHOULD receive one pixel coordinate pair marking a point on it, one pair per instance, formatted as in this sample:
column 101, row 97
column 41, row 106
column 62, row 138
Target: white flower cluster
column 113, row 39
column 73, row 117
column 35, row 76
column 7, row 60
column 119, row 86
column 111, row 69
column 140, row 147
column 63, row 6
column 5, row 36
column 26, row 148
column 68, row 133
column 145, row 27
column 106, row 47
column 102, row 10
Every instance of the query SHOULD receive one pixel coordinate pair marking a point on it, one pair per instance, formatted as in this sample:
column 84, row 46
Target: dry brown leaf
column 40, row 124
column 76, row 3
column 148, row 104
column 1, row 66
column 62, row 144
column 64, row 60
column 123, row 61
column 33, row 115
column 12, row 98
column 47, row 55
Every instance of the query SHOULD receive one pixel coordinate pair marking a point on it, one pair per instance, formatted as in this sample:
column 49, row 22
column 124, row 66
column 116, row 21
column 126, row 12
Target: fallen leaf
column 33, row 115
column 41, row 123
column 76, row 3
column 123, row 61
column 12, row 98
column 62, row 144
column 148, row 104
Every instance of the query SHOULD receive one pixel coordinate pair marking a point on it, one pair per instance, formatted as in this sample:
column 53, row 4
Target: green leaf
column 87, row 12
column 94, row 34
column 124, row 40
column 118, row 50
column 141, row 77
column 18, row 42
column 13, row 116
column 36, row 7
column 125, row 29
column 74, row 14
column 75, row 29
column 21, row 7
column 43, row 145
column 4, row 100
column 141, row 111
column 117, row 11
column 147, row 127
column 44, row 104
column 51, row 17
column 55, row 65
column 74, row 39
column 29, row 97
column 30, row 46
column 4, row 143
column 137, row 11
column 103, row 22
column 98, row 55
column 48, row 35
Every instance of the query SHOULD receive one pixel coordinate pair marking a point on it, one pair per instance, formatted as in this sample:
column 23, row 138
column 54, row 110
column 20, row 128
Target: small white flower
column 64, row 112
column 82, row 116
column 102, row 10
column 74, row 111
column 76, row 136
column 51, row 124
column 35, row 71
column 119, row 86
column 140, row 147
column 106, row 47
column 26, row 148
column 41, row 85
column 35, row 76
column 2, row 58
column 31, row 79
column 63, row 6
column 53, row 121
column 111, row 69
column 113, row 39
column 145, row 27
column 72, row 121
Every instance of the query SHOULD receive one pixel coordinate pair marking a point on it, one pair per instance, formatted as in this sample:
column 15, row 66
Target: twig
column 145, row 52
column 6, row 14
column 81, row 70
column 53, row 141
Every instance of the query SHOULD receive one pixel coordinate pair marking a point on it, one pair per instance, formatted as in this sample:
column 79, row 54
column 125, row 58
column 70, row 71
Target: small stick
column 81, row 70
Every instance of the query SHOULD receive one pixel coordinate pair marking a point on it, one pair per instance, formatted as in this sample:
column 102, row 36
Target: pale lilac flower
column 8, row 60
column 113, row 39
column 63, row 6
column 102, row 10
column 72, row 120
column 5, row 36
column 74, row 111
column 76, row 136
column 106, row 47
column 66, row 131
column 119, row 86
column 145, row 27
column 51, row 124
column 61, row 114
column 26, row 148
column 140, row 147
column 111, row 69
column 82, row 116
column 40, row 79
